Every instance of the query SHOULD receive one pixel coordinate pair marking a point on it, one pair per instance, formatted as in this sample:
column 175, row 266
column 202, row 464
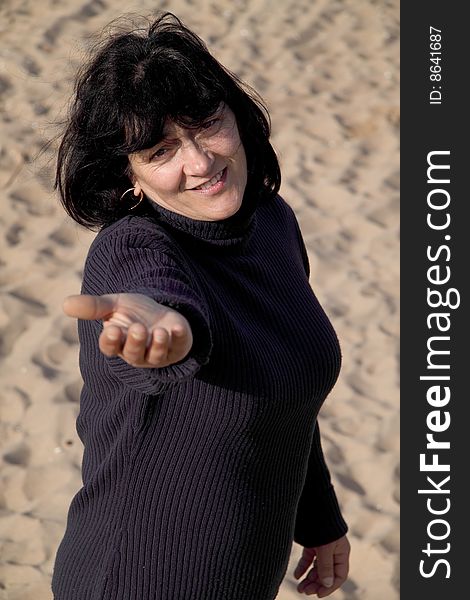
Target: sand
column 328, row 70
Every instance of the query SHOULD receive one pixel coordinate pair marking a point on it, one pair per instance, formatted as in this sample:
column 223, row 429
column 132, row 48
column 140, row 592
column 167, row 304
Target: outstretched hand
column 329, row 571
column 141, row 331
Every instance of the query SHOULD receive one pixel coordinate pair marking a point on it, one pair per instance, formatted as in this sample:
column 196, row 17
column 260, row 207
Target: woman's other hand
column 141, row 331
column 329, row 571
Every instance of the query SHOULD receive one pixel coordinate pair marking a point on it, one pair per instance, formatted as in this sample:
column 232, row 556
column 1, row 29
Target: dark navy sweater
column 198, row 476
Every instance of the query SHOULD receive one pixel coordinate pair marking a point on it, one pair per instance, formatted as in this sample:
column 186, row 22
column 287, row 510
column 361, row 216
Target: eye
column 209, row 124
column 159, row 153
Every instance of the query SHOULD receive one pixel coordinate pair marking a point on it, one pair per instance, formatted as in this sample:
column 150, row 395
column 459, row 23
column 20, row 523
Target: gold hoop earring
column 140, row 199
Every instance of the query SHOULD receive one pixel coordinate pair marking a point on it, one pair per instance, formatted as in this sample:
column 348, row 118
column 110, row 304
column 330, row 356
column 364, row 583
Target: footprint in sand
column 351, row 484
column 69, row 331
column 19, row 455
column 71, row 392
column 391, row 541
column 50, row 359
column 31, row 198
column 14, row 235
column 5, row 85
column 29, row 296
column 13, row 322
column 65, row 235
column 13, row 404
column 31, row 66
column 60, row 247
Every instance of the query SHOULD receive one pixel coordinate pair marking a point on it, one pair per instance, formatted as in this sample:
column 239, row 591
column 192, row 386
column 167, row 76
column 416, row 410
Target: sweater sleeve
column 137, row 258
column 319, row 520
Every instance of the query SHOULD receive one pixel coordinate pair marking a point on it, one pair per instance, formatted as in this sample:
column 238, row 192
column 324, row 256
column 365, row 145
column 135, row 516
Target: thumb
column 84, row 306
column 325, row 565
column 304, row 562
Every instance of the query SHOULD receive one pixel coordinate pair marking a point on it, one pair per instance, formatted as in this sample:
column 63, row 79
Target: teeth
column 211, row 182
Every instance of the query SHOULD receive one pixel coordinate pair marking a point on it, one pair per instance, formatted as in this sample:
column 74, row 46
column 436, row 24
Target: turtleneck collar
column 230, row 232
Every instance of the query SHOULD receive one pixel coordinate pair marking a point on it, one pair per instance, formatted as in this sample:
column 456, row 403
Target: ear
column 137, row 188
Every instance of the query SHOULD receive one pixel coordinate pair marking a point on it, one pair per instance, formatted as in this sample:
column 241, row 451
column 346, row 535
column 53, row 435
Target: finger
column 323, row 591
column 85, row 306
column 339, row 579
column 341, row 566
column 325, row 565
column 136, row 344
column 177, row 334
column 181, row 342
column 158, row 352
column 310, row 582
column 312, row 588
column 111, row 340
column 303, row 564
column 341, row 570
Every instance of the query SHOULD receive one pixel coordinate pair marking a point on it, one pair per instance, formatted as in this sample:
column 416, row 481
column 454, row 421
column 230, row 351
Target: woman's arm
column 319, row 519
column 134, row 258
column 321, row 529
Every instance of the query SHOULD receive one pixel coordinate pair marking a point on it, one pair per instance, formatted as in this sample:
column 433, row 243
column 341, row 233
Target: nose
column 197, row 160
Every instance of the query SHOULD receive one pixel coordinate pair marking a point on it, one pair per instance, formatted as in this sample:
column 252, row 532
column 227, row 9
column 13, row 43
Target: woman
column 204, row 352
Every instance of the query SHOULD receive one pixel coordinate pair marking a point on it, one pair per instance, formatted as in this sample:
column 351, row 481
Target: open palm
column 141, row 331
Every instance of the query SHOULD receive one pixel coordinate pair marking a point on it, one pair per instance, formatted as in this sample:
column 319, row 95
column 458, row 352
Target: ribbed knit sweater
column 198, row 476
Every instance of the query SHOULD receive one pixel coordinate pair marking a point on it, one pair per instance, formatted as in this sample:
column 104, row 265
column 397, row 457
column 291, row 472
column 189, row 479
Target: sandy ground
column 328, row 70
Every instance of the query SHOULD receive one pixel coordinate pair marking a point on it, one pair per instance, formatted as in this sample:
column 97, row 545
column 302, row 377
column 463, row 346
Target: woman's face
column 200, row 173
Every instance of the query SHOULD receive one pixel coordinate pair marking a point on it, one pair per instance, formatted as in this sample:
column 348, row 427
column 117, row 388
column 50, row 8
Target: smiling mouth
column 208, row 184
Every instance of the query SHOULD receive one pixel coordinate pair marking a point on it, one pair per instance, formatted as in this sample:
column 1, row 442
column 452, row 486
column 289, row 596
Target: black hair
column 123, row 96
